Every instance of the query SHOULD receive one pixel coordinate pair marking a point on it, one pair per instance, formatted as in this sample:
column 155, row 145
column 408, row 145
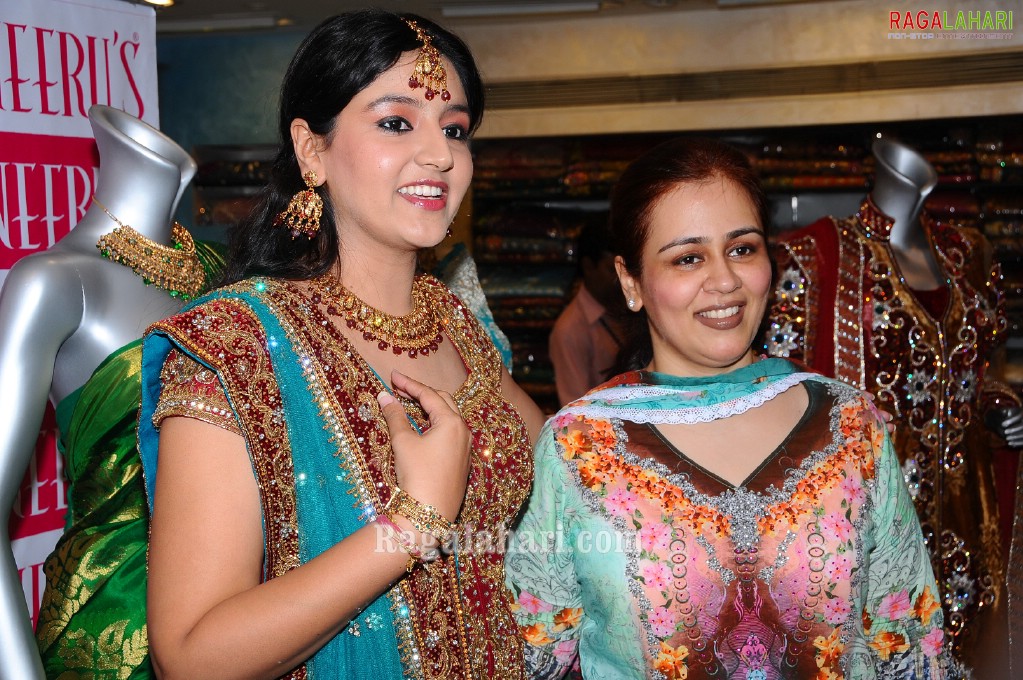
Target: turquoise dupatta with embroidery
column 325, row 495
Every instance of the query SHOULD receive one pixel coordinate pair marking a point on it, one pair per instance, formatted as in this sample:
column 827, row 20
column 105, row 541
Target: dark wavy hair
column 648, row 179
column 336, row 61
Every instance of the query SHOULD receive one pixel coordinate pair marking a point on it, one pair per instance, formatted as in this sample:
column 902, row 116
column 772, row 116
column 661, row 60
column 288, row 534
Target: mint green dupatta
column 659, row 398
column 329, row 500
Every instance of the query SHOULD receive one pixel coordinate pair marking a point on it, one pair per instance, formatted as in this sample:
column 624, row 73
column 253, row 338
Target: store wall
column 716, row 39
column 793, row 35
column 221, row 88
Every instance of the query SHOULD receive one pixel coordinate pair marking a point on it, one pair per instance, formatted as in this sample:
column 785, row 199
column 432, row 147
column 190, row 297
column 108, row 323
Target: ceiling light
column 511, row 9
column 159, row 3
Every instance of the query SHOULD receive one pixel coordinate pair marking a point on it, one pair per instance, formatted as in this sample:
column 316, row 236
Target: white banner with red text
column 57, row 59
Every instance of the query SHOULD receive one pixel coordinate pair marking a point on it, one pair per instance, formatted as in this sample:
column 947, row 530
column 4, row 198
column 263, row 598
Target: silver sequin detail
column 726, row 574
column 767, row 573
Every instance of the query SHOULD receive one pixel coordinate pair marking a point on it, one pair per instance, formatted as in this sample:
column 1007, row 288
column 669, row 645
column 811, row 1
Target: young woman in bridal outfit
column 293, row 405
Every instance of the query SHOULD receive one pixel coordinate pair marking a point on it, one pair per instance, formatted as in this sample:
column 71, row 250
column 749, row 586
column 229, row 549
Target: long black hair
column 336, row 61
column 648, row 179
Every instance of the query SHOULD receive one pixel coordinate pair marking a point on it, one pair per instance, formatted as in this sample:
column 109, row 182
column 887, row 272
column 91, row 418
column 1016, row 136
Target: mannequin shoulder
column 818, row 239
column 952, row 234
column 816, row 229
column 42, row 297
column 966, row 244
column 50, row 275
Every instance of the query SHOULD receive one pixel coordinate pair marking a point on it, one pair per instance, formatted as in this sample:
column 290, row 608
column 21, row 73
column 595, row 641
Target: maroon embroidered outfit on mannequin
column 842, row 307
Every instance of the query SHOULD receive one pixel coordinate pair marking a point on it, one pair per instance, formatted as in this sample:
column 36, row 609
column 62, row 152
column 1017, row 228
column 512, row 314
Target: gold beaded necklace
column 417, row 333
column 176, row 269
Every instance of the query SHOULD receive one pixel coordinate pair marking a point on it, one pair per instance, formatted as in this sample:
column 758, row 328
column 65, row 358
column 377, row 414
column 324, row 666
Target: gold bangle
column 415, row 553
column 424, row 518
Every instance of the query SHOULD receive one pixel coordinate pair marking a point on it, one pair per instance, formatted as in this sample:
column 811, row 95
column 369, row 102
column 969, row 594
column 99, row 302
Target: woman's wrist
column 400, row 535
column 424, row 517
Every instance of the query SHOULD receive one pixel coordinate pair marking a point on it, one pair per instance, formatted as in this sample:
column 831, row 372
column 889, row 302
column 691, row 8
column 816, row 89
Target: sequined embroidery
column 191, row 390
column 465, row 604
column 929, row 371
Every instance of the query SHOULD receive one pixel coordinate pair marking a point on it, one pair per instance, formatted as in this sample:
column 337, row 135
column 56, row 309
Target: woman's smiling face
column 397, row 164
column 704, row 278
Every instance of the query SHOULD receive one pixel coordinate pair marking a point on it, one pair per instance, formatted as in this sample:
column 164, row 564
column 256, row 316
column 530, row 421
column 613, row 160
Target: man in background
column 587, row 336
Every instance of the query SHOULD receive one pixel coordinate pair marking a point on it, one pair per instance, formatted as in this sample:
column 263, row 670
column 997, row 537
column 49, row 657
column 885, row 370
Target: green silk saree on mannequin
column 92, row 622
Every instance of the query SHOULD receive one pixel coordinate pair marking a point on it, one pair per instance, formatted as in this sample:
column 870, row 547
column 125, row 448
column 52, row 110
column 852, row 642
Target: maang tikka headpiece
column 429, row 71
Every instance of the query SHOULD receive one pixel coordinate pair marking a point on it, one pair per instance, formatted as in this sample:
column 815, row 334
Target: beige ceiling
column 204, row 15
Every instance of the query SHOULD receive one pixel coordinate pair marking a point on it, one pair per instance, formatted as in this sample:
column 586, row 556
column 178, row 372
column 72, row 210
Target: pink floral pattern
column 693, row 602
column 894, row 605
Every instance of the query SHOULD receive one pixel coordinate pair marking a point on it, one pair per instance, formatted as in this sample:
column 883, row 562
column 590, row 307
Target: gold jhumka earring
column 302, row 215
column 428, row 71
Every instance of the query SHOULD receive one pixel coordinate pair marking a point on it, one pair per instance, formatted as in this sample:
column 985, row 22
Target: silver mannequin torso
column 903, row 180
column 65, row 310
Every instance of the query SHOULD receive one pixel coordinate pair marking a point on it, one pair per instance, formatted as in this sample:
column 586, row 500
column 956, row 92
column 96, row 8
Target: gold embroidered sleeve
column 190, row 389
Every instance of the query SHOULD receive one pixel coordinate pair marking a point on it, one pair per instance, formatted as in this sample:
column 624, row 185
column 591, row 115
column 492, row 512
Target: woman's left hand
column 889, row 420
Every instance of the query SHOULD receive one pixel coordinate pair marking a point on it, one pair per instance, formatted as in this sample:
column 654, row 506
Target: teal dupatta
column 660, row 398
column 329, row 501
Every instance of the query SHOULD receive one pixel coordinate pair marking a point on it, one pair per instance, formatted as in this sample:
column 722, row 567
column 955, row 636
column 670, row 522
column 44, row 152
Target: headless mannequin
column 65, row 310
column 903, row 180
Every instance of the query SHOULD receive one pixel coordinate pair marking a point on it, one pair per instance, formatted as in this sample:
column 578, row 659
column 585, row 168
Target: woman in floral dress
column 715, row 514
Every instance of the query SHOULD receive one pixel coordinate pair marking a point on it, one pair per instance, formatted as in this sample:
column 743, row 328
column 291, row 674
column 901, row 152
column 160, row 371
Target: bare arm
column 38, row 311
column 209, row 615
column 524, row 404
